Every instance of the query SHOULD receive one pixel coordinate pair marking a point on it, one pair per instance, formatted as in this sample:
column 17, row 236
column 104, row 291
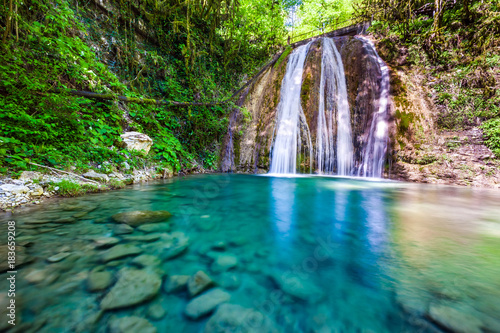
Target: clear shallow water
column 315, row 254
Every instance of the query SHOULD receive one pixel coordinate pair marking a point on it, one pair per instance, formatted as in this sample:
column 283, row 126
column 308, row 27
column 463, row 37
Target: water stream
column 286, row 141
column 301, row 254
column 333, row 100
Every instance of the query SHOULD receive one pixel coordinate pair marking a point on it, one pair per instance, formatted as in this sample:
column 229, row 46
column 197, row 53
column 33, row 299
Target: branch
column 69, row 173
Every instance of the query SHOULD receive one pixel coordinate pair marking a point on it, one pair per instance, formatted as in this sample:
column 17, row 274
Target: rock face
column 133, row 287
column 235, row 318
column 137, row 141
column 140, row 217
column 206, row 303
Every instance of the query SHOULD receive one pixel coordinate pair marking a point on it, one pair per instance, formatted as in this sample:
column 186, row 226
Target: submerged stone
column 120, row 251
column 154, row 227
column 58, row 257
column 300, row 288
column 229, row 281
column 122, row 229
column 99, row 280
column 198, row 283
column 206, row 303
column 142, row 238
column 103, row 242
column 175, row 246
column 224, row 262
column 146, row 260
column 130, row 325
column 454, row 319
column 235, row 318
column 133, row 287
column 156, row 311
column 176, row 283
column 140, row 217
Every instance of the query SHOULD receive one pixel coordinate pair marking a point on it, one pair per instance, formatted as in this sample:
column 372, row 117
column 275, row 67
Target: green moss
column 306, row 89
column 405, row 119
column 283, row 56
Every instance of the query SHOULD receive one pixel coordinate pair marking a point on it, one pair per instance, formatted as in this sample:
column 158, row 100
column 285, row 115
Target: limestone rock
column 130, row 325
column 100, row 177
column 133, row 287
column 235, row 318
column 198, row 283
column 99, row 280
column 140, row 217
column 176, row 283
column 30, row 175
column 120, row 251
column 137, row 141
column 206, row 303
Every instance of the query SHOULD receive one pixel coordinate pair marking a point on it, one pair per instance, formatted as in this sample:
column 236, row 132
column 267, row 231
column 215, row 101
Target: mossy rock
column 140, row 217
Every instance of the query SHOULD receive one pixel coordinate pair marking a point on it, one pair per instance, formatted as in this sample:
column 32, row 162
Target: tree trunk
column 8, row 25
column 438, row 15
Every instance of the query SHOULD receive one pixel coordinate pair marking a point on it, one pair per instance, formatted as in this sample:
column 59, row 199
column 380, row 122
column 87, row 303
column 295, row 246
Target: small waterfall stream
column 333, row 93
column 286, row 142
column 375, row 149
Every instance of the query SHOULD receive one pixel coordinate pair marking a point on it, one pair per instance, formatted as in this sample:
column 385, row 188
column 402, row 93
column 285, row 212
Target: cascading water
column 286, row 142
column 375, row 149
column 333, row 97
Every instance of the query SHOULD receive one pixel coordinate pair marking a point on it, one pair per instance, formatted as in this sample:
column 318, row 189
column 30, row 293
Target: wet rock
column 154, row 227
column 104, row 242
column 206, row 303
column 99, row 280
column 235, row 318
column 176, row 283
column 64, row 220
column 122, row 229
column 130, row 325
column 140, row 217
column 198, row 283
column 229, row 281
column 80, row 215
column 176, row 245
column 58, row 257
column 454, row 319
column 224, row 262
column 298, row 287
column 142, row 238
column 156, row 311
column 137, row 141
column 47, row 276
column 146, row 260
column 133, row 287
column 119, row 251
column 100, row 177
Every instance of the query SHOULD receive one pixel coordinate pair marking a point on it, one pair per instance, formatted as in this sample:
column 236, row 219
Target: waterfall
column 286, row 142
column 375, row 149
column 333, row 93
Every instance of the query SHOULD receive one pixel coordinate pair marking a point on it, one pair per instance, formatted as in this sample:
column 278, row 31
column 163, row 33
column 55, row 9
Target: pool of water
column 304, row 254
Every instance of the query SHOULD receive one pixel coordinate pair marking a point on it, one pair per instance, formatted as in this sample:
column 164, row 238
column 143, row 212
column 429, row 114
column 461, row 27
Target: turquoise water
column 313, row 254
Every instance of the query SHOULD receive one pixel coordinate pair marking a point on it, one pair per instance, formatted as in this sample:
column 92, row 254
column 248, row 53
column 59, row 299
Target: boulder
column 137, row 141
column 119, row 251
column 140, row 217
column 130, row 324
column 235, row 318
column 37, row 191
column 133, row 287
column 206, row 303
column 198, row 283
column 100, row 177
